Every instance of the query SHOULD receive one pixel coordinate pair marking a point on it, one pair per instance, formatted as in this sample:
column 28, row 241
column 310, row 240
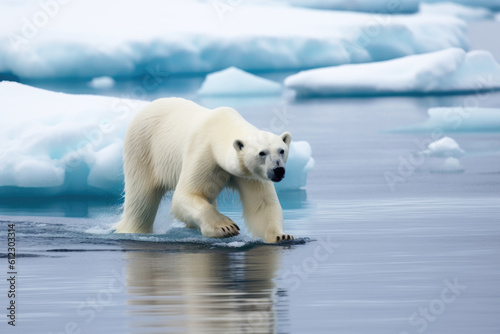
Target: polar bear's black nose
column 279, row 173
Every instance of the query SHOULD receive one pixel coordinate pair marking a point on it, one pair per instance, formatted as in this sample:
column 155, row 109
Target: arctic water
column 385, row 242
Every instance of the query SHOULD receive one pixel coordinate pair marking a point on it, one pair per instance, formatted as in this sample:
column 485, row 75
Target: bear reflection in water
column 205, row 291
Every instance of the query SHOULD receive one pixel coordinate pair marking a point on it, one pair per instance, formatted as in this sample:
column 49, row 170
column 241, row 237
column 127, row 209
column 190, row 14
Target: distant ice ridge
column 446, row 71
column 453, row 9
column 235, row 82
column 458, row 119
column 376, row 6
column 198, row 37
column 54, row 143
column 491, row 4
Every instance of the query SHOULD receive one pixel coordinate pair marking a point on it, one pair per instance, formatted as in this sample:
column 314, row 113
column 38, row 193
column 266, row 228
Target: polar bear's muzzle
column 277, row 174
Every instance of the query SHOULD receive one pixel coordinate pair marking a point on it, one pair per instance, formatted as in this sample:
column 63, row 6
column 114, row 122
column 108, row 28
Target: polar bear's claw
column 284, row 237
column 228, row 231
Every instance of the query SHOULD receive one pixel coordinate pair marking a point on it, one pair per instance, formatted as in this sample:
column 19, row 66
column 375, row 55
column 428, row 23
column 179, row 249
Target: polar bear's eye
column 282, row 151
column 262, row 153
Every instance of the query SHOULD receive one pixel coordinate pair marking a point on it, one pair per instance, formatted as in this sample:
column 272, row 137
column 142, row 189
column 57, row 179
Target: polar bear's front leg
column 196, row 210
column 262, row 210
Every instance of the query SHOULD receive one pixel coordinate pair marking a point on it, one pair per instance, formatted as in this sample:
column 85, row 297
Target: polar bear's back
column 157, row 137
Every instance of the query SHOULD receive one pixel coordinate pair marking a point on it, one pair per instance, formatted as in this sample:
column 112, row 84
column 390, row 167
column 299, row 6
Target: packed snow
column 453, row 9
column 458, row 119
column 197, row 37
column 235, row 82
column 445, row 147
column 491, row 4
column 376, row 6
column 54, row 143
column 446, row 71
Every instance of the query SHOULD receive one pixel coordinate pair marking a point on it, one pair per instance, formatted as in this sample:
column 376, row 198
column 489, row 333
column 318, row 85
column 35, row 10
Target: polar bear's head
column 264, row 156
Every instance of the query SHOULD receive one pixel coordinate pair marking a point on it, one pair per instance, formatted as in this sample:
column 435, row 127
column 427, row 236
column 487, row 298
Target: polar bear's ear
column 287, row 137
column 238, row 145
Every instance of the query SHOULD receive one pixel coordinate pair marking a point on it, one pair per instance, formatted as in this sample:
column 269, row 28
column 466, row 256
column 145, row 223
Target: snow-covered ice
column 63, row 143
column 102, row 82
column 376, row 6
column 491, row 4
column 458, row 119
column 235, row 82
column 446, row 71
column 445, row 147
column 467, row 13
column 54, row 143
column 196, row 37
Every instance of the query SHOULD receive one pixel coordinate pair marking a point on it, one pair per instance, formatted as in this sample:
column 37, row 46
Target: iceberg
column 439, row 156
column 446, row 71
column 466, row 13
column 443, row 156
column 445, row 147
column 235, row 82
column 491, row 4
column 197, row 37
column 55, row 144
column 457, row 119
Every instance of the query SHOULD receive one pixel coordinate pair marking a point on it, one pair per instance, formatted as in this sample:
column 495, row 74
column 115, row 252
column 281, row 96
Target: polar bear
column 175, row 144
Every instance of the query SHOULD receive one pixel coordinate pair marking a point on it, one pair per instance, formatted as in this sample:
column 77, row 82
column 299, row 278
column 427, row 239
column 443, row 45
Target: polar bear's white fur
column 175, row 144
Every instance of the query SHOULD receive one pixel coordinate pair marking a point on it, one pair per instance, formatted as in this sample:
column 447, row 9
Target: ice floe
column 54, row 143
column 59, row 41
column 235, row 82
column 446, row 71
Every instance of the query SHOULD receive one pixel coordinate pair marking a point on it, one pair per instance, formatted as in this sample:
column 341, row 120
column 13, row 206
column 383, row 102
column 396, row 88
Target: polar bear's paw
column 279, row 238
column 284, row 237
column 229, row 230
column 225, row 229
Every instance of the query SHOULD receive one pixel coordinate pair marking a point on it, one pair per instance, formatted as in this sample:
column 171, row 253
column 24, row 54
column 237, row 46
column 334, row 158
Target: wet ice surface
column 371, row 256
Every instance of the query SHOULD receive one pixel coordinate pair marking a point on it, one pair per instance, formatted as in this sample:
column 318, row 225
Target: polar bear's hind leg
column 140, row 207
